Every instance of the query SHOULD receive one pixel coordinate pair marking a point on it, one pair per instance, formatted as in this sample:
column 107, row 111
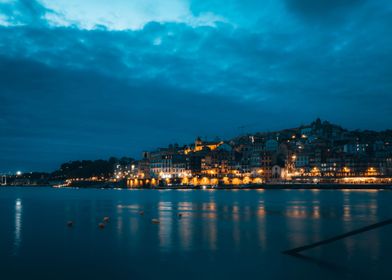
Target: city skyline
column 96, row 79
column 317, row 151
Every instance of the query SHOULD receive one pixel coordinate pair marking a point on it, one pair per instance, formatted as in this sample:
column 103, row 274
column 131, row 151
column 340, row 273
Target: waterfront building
column 310, row 153
column 217, row 163
column 194, row 161
column 266, row 163
column 168, row 163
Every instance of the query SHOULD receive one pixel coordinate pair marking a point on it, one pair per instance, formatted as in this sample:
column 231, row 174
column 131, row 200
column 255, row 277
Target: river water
column 222, row 234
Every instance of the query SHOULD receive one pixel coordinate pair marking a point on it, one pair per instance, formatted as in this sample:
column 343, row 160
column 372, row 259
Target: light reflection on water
column 202, row 220
column 261, row 225
column 184, row 229
column 217, row 225
column 165, row 212
column 18, row 226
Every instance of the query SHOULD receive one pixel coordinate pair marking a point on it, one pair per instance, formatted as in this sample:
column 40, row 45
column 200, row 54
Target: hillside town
column 317, row 153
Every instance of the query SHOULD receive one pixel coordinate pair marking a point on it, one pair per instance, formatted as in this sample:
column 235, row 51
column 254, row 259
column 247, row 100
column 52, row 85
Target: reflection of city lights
column 18, row 225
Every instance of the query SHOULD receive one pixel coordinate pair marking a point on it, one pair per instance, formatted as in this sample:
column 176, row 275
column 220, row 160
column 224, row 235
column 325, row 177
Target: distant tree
column 89, row 168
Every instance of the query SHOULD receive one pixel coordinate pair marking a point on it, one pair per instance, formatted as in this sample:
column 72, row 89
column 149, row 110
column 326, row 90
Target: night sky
column 97, row 78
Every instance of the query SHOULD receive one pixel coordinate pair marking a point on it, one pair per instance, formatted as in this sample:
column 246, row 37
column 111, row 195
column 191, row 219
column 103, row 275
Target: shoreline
column 285, row 187
column 271, row 186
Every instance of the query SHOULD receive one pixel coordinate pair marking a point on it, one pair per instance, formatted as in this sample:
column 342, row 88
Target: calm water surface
column 221, row 235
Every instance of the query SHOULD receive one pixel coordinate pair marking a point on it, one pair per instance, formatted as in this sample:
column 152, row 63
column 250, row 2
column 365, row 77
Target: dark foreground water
column 221, row 235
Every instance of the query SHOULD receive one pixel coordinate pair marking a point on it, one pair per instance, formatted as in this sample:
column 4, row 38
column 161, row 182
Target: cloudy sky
column 94, row 78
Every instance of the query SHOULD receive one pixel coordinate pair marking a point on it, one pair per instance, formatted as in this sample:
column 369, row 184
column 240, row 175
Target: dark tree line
column 83, row 169
column 89, row 168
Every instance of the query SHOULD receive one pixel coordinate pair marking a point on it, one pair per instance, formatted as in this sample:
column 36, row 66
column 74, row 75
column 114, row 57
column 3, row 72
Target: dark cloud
column 69, row 93
column 322, row 9
column 53, row 115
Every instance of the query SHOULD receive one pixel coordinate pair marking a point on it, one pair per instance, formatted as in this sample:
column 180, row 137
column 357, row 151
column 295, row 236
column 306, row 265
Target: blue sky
column 91, row 79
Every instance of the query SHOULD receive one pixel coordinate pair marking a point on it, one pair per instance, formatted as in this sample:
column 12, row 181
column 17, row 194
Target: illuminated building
column 319, row 152
column 200, row 145
column 217, row 163
column 168, row 163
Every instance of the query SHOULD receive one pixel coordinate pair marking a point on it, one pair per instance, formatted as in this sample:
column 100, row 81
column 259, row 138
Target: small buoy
column 179, row 215
column 70, row 223
column 101, row 225
column 155, row 221
column 106, row 219
column 141, row 212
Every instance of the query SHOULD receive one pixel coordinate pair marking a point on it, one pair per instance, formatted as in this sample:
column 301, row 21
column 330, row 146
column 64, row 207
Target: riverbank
column 284, row 186
column 267, row 186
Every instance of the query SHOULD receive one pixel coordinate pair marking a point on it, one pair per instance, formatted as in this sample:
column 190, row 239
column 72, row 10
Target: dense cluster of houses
column 319, row 152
